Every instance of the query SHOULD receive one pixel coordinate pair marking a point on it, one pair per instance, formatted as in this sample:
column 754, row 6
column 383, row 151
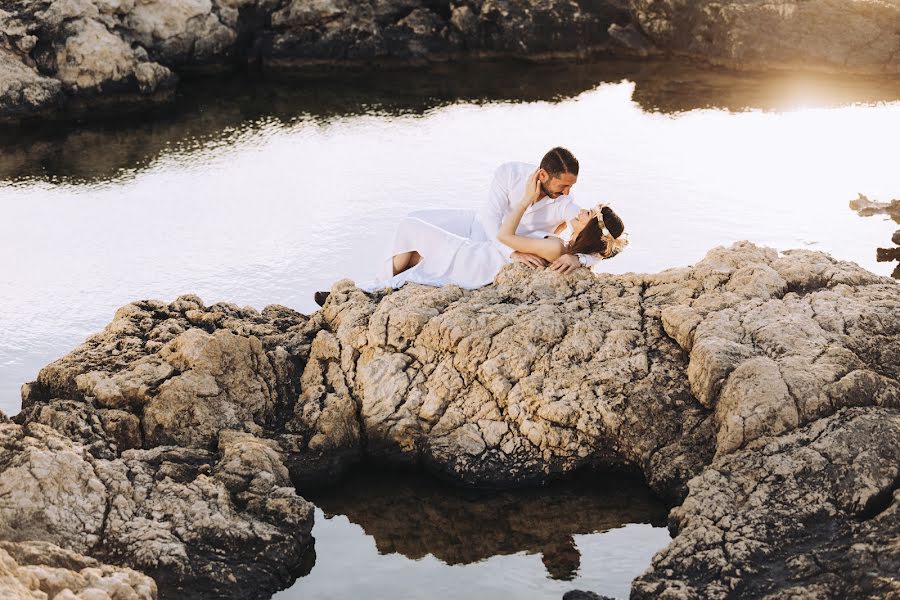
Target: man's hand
column 531, row 261
column 565, row 264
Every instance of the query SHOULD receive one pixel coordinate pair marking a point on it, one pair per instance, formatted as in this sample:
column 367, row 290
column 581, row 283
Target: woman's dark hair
column 590, row 239
column 559, row 161
column 612, row 222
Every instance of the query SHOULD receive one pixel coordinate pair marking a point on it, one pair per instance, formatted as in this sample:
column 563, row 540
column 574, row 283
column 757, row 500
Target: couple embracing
column 530, row 217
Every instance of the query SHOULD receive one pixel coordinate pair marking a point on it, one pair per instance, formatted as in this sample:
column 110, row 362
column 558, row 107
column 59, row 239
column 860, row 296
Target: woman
column 439, row 247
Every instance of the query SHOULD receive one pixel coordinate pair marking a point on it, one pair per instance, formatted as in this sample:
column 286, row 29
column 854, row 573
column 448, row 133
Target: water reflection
column 868, row 208
column 416, row 517
column 458, row 537
column 213, row 112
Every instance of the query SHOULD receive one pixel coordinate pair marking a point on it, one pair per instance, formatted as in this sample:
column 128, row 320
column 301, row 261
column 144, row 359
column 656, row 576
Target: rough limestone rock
column 538, row 375
column 410, row 29
column 813, row 514
column 52, row 50
column 841, row 35
column 178, row 373
column 22, row 89
column 191, row 519
column 40, row 570
column 757, row 392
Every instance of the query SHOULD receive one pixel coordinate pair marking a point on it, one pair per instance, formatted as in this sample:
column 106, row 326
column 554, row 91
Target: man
column 557, row 173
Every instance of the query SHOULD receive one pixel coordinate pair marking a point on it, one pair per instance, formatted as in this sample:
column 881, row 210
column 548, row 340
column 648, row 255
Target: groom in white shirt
column 557, row 173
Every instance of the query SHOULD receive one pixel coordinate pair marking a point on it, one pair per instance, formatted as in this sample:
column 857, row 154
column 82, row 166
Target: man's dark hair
column 559, row 161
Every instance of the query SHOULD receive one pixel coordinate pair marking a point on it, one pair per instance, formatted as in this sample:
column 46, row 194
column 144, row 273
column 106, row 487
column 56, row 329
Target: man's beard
column 548, row 193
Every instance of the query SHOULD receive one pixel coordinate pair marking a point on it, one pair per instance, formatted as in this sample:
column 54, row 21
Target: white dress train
column 454, row 247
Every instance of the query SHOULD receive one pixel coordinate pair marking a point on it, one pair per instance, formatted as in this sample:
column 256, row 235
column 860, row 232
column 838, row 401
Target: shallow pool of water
column 259, row 192
column 392, row 535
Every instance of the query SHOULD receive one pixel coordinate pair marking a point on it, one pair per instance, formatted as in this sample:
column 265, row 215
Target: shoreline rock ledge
column 74, row 54
column 757, row 392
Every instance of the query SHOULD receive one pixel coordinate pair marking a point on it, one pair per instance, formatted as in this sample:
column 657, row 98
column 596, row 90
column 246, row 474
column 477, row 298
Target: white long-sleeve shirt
column 540, row 219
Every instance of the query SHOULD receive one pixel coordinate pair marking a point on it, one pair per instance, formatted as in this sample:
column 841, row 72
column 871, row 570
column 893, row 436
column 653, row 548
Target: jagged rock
column 22, row 89
column 860, row 36
column 84, row 46
column 811, row 514
column 632, row 39
column 690, row 374
column 887, row 254
column 554, row 26
column 40, row 570
column 538, row 375
column 515, row 383
column 49, row 490
column 154, row 361
column 192, row 520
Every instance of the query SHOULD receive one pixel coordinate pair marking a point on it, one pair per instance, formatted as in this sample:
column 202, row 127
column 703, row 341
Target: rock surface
column 193, row 522
column 40, row 570
column 757, row 392
column 856, row 35
column 813, row 513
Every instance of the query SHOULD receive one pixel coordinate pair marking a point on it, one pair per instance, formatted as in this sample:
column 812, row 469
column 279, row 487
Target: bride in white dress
column 447, row 246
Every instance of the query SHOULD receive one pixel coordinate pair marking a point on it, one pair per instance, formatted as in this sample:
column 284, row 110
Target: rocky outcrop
column 813, row 513
column 757, row 392
column 851, row 36
column 194, row 520
column 50, row 51
column 40, row 570
column 537, row 376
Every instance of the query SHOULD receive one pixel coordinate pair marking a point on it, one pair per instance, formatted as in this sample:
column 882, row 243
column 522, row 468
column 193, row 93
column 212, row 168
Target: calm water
column 259, row 192
column 394, row 536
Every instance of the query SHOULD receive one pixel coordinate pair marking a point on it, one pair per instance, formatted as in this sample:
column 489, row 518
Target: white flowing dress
column 454, row 247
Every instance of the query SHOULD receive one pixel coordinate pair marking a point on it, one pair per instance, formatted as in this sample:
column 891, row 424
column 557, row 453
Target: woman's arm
column 549, row 249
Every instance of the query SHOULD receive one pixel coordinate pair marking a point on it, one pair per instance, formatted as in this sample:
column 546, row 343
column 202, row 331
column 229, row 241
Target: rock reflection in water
column 868, row 208
column 211, row 112
column 415, row 517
